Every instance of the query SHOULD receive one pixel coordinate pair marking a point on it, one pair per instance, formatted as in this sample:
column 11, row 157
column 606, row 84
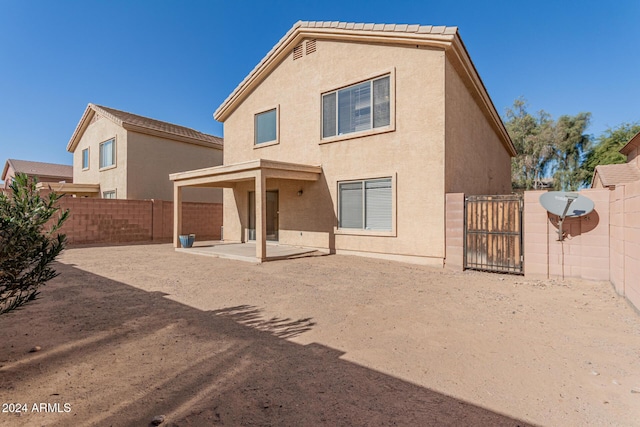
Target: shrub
column 28, row 244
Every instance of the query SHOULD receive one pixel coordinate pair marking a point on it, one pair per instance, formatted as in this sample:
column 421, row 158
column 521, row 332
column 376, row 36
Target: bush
column 26, row 246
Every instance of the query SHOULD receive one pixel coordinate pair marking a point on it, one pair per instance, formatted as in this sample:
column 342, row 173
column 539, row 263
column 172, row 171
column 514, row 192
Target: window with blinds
column 356, row 108
column 366, row 204
column 108, row 153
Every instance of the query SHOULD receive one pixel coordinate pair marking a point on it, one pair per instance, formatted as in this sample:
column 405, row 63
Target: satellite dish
column 563, row 204
column 556, row 203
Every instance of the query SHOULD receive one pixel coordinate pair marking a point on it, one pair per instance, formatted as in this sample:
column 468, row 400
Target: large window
column 266, row 127
column 356, row 108
column 108, row 153
column 366, row 205
column 85, row 158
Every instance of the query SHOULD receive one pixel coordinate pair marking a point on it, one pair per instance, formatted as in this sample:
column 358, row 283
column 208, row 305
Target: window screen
column 356, row 108
column 266, row 126
column 366, row 205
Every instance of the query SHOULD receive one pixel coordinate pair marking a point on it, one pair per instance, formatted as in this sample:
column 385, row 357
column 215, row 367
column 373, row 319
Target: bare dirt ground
column 130, row 332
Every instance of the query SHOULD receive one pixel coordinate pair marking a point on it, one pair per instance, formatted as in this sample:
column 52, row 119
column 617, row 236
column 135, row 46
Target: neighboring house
column 126, row 156
column 44, row 172
column 347, row 137
column 608, row 176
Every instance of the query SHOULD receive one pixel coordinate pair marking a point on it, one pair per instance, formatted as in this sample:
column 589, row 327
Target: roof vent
column 297, row 52
column 310, row 46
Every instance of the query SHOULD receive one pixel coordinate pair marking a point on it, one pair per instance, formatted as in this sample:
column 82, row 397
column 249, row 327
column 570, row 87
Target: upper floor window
column 109, row 194
column 85, row 158
column 357, row 108
column 266, row 128
column 108, row 153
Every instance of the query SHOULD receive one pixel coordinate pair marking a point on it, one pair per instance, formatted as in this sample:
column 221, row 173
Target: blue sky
column 178, row 60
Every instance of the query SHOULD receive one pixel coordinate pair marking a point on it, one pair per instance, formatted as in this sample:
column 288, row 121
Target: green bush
column 28, row 241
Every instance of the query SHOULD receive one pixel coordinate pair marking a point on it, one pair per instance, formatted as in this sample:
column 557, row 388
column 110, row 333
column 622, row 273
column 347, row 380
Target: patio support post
column 261, row 216
column 177, row 214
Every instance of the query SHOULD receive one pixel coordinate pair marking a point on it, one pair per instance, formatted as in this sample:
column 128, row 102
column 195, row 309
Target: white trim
column 88, row 159
column 115, row 154
column 391, row 127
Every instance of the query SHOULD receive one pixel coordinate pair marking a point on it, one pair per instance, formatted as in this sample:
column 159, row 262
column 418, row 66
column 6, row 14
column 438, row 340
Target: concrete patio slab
column 247, row 251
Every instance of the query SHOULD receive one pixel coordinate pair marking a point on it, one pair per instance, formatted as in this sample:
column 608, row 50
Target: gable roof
column 144, row 125
column 612, row 175
column 40, row 169
column 446, row 38
column 631, row 145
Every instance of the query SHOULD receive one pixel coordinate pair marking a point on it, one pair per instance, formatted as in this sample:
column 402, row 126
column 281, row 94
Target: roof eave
column 472, row 76
column 632, row 144
column 298, row 33
column 80, row 128
column 5, row 170
column 181, row 138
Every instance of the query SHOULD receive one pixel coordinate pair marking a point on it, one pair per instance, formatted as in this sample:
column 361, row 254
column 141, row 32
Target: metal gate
column 493, row 233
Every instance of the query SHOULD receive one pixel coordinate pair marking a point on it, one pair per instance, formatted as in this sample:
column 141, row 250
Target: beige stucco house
column 122, row 155
column 44, row 172
column 346, row 137
column 608, row 176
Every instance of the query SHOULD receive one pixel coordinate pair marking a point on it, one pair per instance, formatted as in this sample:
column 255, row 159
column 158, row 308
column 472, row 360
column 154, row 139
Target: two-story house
column 346, row 137
column 120, row 155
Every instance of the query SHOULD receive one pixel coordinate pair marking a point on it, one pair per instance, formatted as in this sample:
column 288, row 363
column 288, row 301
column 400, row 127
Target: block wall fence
column 603, row 245
column 120, row 221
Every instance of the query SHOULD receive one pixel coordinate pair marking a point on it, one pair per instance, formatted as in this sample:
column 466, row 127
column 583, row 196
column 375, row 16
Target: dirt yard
column 131, row 332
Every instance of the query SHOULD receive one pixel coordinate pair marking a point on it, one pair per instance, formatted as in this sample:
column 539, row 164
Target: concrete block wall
column 630, row 236
column 106, row 221
column 454, row 237
column 118, row 221
column 202, row 219
column 583, row 253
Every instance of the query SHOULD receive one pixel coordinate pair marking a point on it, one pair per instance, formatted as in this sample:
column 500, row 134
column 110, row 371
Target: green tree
column 28, row 242
column 532, row 137
column 571, row 145
column 547, row 146
column 607, row 148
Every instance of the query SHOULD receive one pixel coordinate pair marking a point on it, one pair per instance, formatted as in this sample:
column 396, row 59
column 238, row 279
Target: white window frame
column 371, row 131
column 84, row 168
column 114, row 155
column 255, row 128
column 363, row 231
column 114, row 192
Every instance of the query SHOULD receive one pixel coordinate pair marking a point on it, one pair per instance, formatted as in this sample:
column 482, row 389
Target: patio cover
column 227, row 176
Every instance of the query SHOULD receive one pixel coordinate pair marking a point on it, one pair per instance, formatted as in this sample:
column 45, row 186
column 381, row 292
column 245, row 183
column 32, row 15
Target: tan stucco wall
column 633, row 157
column 597, row 182
column 151, row 159
column 114, row 178
column 413, row 154
column 10, row 174
column 476, row 161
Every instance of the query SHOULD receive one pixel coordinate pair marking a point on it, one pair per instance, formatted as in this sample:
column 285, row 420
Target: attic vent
column 311, row 46
column 297, row 52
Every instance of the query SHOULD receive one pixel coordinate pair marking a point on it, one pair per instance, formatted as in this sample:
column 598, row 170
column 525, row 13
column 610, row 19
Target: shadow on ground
column 120, row 356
